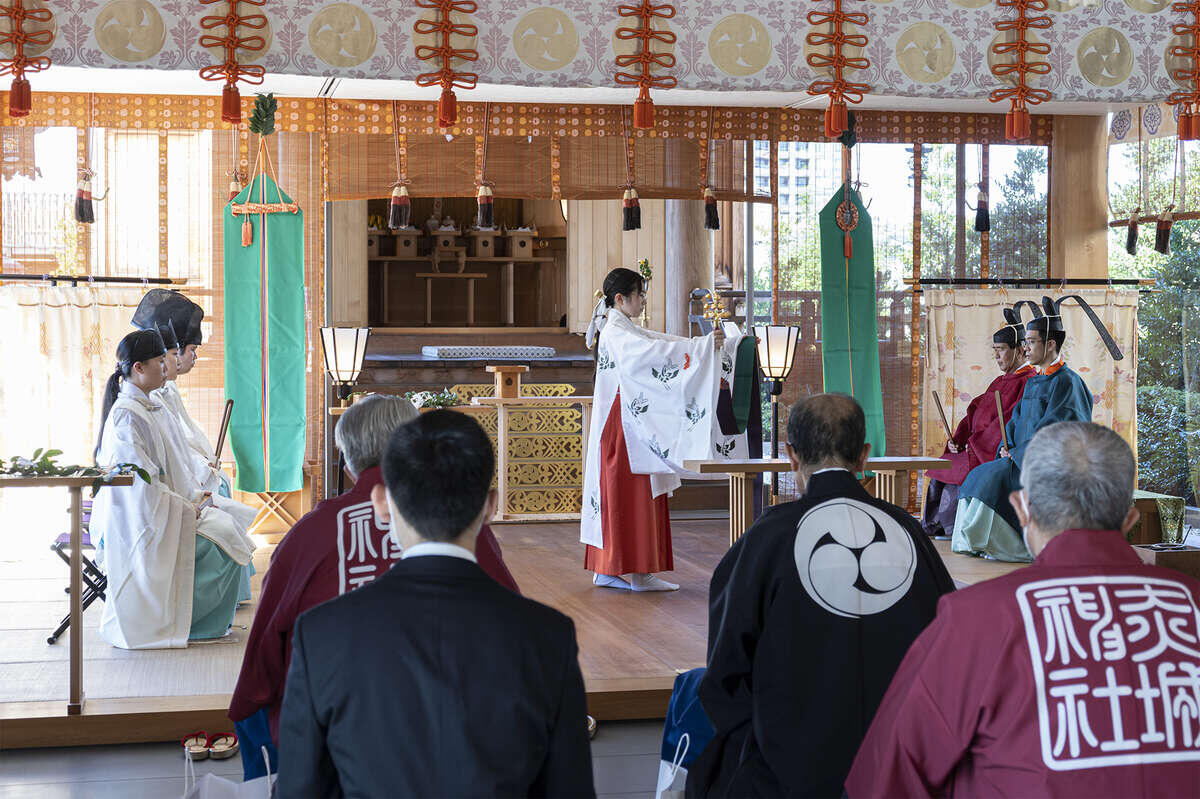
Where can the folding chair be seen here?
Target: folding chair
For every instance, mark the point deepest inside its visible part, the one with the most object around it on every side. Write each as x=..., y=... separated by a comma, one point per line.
x=94, y=580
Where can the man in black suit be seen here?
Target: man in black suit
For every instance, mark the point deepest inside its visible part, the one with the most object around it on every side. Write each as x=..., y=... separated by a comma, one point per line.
x=434, y=680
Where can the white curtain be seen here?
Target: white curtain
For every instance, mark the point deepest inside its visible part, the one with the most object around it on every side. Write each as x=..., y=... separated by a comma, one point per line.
x=58, y=347
x=958, y=355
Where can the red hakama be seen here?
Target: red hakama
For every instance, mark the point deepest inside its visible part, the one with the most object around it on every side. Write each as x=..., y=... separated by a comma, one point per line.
x=637, y=527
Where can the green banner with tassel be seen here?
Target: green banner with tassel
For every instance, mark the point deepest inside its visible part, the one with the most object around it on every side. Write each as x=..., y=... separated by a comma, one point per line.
x=849, y=318
x=265, y=331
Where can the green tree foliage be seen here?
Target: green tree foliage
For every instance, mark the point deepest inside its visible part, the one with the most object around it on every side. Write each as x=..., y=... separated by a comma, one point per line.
x=1018, y=236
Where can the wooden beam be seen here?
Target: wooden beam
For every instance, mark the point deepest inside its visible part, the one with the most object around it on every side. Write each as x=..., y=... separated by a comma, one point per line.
x=1078, y=213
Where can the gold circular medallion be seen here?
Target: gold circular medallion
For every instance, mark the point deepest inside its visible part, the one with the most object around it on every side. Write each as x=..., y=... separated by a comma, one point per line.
x=1174, y=63
x=245, y=56
x=925, y=52
x=130, y=30
x=457, y=40
x=546, y=39
x=847, y=215
x=342, y=35
x=1068, y=5
x=740, y=45
x=827, y=49
x=1148, y=6
x=630, y=46
x=1105, y=57
x=30, y=26
x=971, y=3
x=993, y=60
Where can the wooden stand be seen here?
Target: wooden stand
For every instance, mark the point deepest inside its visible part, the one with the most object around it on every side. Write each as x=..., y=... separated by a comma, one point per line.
x=75, y=485
x=1183, y=559
x=508, y=380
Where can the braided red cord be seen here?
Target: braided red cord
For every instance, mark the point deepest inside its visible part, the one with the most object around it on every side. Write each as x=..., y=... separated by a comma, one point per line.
x=840, y=90
x=447, y=77
x=230, y=70
x=1017, y=124
x=19, y=97
x=645, y=59
x=1189, y=115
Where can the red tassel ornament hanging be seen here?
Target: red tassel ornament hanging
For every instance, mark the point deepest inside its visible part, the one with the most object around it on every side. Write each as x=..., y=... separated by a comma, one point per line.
x=444, y=27
x=20, y=96
x=1017, y=123
x=839, y=90
x=644, y=59
x=230, y=70
x=1189, y=99
x=485, y=216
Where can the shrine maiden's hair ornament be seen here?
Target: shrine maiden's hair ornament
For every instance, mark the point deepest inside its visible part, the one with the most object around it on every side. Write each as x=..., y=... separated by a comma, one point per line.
x=599, y=317
x=1051, y=321
x=1013, y=332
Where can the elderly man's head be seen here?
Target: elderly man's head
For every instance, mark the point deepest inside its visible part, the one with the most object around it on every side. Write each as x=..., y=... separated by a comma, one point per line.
x=826, y=431
x=1075, y=476
x=363, y=431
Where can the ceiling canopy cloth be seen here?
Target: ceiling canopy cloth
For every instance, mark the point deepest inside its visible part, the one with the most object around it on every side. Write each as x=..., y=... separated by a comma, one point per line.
x=265, y=337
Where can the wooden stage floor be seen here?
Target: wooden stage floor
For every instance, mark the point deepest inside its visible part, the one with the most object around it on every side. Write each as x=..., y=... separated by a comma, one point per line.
x=631, y=646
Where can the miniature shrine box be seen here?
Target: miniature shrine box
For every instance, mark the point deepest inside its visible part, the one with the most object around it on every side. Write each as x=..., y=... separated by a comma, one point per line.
x=520, y=243
x=484, y=243
x=443, y=239
x=406, y=242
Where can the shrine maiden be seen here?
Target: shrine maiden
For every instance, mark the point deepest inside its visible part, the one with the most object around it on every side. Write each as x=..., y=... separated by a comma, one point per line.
x=655, y=406
x=178, y=321
x=986, y=523
x=1077, y=676
x=166, y=583
x=977, y=437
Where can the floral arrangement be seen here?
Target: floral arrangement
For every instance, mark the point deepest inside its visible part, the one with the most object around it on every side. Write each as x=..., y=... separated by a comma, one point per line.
x=43, y=464
x=432, y=399
x=643, y=267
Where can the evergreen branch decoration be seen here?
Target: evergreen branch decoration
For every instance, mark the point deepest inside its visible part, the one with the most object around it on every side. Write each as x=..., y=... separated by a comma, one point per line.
x=262, y=121
x=43, y=464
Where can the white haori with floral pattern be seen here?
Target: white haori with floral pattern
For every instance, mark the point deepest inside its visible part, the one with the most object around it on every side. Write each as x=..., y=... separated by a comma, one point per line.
x=669, y=387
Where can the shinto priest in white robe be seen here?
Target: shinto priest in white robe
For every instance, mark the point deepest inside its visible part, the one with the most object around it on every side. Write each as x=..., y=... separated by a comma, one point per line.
x=147, y=532
x=669, y=387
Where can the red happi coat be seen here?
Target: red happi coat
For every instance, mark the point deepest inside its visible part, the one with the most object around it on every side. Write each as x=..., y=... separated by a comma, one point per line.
x=1078, y=675
x=336, y=547
x=978, y=434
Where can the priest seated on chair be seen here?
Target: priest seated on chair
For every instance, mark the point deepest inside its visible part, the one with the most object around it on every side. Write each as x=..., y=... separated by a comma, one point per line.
x=338, y=546
x=173, y=559
x=810, y=613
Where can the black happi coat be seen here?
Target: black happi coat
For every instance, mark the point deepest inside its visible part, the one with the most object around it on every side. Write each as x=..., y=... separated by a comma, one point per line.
x=810, y=614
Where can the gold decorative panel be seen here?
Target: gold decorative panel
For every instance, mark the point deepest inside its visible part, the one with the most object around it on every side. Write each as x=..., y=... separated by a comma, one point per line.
x=545, y=448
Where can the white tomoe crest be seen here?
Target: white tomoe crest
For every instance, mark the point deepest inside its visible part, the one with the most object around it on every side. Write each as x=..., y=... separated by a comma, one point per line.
x=853, y=559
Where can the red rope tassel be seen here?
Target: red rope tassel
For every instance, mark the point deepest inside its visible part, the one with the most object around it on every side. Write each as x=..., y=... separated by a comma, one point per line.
x=247, y=231
x=20, y=99
x=447, y=109
x=643, y=110
x=231, y=104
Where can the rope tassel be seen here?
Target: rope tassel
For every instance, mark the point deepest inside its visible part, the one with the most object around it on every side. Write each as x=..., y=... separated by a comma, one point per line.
x=400, y=208
x=1131, y=232
x=485, y=218
x=1162, y=231
x=247, y=231
x=84, y=211
x=983, y=219
x=712, y=220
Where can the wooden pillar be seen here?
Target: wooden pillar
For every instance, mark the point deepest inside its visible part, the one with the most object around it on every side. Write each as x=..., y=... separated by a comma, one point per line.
x=1078, y=212
x=688, y=264
x=348, y=267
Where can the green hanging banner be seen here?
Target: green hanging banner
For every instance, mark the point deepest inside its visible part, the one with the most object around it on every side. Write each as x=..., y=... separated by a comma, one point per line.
x=849, y=319
x=265, y=336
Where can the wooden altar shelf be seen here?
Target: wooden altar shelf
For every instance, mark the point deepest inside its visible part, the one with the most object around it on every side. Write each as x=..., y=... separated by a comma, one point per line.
x=470, y=277
x=75, y=486
x=889, y=472
x=507, y=277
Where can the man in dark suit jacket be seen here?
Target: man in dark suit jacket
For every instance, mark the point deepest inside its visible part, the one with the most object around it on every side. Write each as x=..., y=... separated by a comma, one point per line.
x=434, y=680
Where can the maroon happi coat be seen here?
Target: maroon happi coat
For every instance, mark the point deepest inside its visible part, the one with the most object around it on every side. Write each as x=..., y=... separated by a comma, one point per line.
x=336, y=547
x=1076, y=676
x=978, y=434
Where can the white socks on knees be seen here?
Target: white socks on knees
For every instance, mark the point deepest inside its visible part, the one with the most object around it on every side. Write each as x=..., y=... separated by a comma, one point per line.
x=635, y=582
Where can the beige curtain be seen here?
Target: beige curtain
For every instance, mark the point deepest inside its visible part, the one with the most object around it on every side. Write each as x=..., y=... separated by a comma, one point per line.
x=958, y=356
x=58, y=348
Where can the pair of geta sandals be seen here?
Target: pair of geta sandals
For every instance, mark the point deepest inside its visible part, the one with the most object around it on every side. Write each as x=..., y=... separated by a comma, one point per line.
x=202, y=746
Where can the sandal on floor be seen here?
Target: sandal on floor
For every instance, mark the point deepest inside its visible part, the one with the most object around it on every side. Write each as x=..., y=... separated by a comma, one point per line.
x=222, y=746
x=196, y=745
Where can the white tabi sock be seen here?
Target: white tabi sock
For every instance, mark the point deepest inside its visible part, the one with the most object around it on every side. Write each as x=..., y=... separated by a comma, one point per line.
x=609, y=581
x=648, y=582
